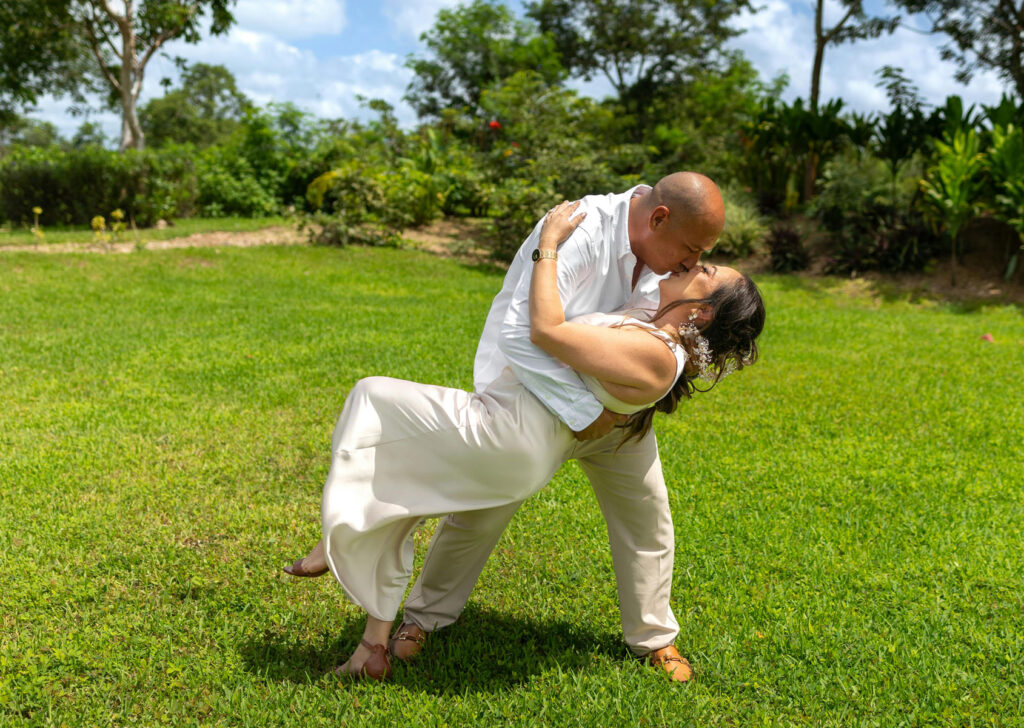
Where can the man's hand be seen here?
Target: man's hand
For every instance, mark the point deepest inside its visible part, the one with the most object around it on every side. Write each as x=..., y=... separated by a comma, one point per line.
x=601, y=426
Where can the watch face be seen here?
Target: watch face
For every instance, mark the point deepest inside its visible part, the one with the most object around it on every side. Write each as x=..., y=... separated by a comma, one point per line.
x=536, y=255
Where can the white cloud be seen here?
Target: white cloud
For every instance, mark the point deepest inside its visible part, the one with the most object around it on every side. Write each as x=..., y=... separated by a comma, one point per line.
x=287, y=19
x=412, y=17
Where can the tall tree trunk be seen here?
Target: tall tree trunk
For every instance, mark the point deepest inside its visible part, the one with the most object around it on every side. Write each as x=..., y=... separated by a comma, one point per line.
x=811, y=163
x=819, y=56
x=1017, y=51
x=131, y=84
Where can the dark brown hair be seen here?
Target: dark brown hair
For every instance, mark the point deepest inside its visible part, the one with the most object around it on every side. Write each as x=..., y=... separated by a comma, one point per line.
x=737, y=321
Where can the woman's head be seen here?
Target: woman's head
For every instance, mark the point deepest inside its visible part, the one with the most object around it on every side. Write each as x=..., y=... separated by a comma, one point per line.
x=727, y=310
x=724, y=305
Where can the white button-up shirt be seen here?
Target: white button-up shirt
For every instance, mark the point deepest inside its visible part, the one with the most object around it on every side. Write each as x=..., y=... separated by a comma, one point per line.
x=595, y=272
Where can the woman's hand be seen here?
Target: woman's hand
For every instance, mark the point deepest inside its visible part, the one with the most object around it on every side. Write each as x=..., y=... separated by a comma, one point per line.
x=558, y=225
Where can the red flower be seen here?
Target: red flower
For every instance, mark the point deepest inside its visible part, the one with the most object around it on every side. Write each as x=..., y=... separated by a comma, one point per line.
x=495, y=124
x=515, y=144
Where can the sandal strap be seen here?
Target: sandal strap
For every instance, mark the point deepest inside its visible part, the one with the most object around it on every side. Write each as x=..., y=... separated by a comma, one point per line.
x=373, y=648
x=403, y=636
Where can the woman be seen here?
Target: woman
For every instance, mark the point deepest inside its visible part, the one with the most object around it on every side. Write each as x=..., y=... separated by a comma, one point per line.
x=404, y=451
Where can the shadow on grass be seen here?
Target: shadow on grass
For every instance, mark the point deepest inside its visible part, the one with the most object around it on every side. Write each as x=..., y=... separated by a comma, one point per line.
x=834, y=287
x=483, y=652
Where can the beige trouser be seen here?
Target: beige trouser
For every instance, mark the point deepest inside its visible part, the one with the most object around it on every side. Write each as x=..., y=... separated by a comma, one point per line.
x=630, y=489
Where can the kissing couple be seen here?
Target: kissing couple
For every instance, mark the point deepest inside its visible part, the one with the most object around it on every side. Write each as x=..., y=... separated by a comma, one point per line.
x=605, y=316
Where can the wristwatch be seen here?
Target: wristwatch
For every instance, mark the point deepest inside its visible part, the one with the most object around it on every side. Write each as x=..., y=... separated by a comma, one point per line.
x=543, y=254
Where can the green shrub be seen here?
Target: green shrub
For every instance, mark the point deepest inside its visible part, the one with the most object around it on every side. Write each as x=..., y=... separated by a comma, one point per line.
x=520, y=204
x=882, y=237
x=228, y=185
x=72, y=186
x=1005, y=164
x=952, y=188
x=786, y=246
x=745, y=228
x=872, y=218
x=352, y=206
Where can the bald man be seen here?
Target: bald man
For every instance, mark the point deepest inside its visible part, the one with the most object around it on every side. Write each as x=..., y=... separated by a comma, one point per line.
x=613, y=261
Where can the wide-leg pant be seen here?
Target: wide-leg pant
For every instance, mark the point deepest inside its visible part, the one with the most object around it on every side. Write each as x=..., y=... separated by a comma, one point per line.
x=404, y=451
x=630, y=490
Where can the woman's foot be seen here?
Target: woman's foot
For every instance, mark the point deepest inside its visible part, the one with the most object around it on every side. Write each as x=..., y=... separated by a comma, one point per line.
x=300, y=568
x=407, y=641
x=314, y=564
x=368, y=661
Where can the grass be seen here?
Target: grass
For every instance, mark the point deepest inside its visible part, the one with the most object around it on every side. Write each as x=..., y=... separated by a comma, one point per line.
x=848, y=512
x=16, y=236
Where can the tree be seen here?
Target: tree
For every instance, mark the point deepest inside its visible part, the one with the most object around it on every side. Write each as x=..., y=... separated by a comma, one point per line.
x=25, y=132
x=472, y=46
x=120, y=39
x=38, y=54
x=143, y=28
x=205, y=109
x=903, y=131
x=983, y=34
x=640, y=46
x=854, y=25
x=89, y=134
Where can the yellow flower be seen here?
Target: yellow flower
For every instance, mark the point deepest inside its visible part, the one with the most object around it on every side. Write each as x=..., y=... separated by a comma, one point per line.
x=117, y=214
x=98, y=223
x=37, y=210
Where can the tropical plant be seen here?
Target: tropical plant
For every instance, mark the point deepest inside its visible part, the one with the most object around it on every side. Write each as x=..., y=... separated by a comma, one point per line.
x=786, y=245
x=952, y=186
x=1005, y=163
x=745, y=227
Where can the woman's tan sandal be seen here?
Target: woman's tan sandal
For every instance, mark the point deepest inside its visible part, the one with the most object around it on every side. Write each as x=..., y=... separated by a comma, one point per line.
x=297, y=570
x=677, y=667
x=407, y=642
x=376, y=667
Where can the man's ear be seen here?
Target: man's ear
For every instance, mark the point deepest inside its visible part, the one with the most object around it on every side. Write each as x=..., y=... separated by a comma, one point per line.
x=659, y=217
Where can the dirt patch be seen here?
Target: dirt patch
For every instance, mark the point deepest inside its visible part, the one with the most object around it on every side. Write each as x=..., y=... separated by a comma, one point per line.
x=277, y=235
x=460, y=238
x=979, y=273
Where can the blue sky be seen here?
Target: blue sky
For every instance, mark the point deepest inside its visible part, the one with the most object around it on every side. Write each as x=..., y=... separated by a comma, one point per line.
x=321, y=54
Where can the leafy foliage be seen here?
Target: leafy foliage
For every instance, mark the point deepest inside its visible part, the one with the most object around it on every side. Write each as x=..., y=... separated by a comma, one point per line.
x=983, y=34
x=787, y=249
x=641, y=46
x=39, y=54
x=73, y=186
x=745, y=228
x=471, y=47
x=1005, y=163
x=952, y=187
x=205, y=110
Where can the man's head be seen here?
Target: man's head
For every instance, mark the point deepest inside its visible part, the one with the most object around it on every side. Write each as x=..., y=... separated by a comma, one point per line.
x=678, y=220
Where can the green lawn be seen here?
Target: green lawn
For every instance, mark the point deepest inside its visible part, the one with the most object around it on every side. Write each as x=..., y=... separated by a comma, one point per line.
x=15, y=235
x=849, y=512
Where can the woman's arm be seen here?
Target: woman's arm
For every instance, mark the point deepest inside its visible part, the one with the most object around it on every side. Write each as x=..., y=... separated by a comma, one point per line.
x=632, y=361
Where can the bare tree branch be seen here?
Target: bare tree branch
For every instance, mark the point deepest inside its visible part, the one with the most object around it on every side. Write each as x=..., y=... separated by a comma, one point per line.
x=838, y=26
x=94, y=45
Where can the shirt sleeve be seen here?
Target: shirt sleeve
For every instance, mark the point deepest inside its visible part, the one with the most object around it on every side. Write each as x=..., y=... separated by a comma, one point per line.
x=552, y=382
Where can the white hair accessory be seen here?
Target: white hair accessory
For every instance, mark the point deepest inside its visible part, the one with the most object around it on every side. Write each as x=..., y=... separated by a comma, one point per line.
x=700, y=349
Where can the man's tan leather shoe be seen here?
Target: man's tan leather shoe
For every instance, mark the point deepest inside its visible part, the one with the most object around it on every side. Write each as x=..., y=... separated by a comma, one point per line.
x=407, y=642
x=676, y=666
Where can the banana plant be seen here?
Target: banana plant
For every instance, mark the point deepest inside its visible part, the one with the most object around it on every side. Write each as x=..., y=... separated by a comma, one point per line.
x=952, y=186
x=1005, y=163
